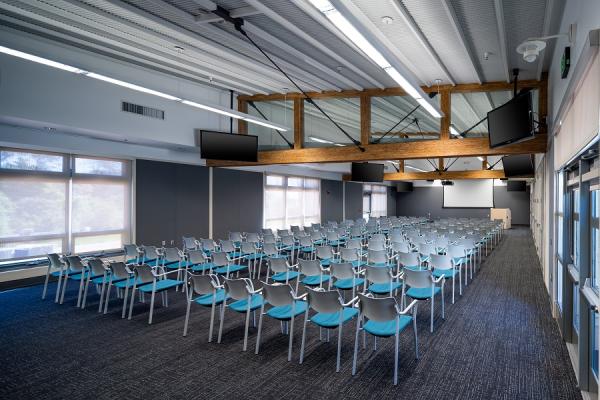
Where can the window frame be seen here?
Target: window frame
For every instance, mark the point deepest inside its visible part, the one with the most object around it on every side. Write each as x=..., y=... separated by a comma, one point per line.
x=285, y=188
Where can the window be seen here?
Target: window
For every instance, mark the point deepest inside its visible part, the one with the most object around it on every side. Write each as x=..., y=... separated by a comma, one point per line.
x=595, y=237
x=575, y=227
x=595, y=318
x=45, y=208
x=291, y=200
x=560, y=200
x=576, y=308
x=374, y=201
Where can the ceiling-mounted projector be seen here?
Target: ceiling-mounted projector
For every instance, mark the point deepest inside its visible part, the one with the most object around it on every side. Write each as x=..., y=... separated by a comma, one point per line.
x=447, y=183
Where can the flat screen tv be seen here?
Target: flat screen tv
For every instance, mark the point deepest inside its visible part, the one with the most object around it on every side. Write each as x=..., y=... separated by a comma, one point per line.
x=512, y=121
x=228, y=146
x=518, y=165
x=516, y=186
x=366, y=172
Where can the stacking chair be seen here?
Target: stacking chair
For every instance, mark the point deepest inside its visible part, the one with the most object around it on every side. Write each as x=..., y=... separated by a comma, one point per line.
x=351, y=256
x=459, y=258
x=345, y=276
x=317, y=238
x=443, y=266
x=151, y=281
x=313, y=273
x=307, y=247
x=381, y=281
x=76, y=271
x=198, y=262
x=172, y=259
x=425, y=249
x=122, y=278
x=190, y=243
x=249, y=252
x=331, y=313
x=266, y=231
x=247, y=300
x=208, y=246
x=99, y=275
x=384, y=318
x=228, y=246
x=409, y=260
x=209, y=293
x=149, y=255
x=471, y=252
x=376, y=245
x=132, y=254
x=55, y=263
x=334, y=239
x=326, y=255
x=422, y=286
x=222, y=265
x=236, y=238
x=282, y=271
x=379, y=258
x=285, y=306
x=269, y=238
x=288, y=244
x=253, y=237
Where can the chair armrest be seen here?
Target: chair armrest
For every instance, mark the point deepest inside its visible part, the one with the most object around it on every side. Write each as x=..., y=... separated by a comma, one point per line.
x=256, y=291
x=351, y=302
x=301, y=297
x=408, y=308
x=165, y=273
x=441, y=278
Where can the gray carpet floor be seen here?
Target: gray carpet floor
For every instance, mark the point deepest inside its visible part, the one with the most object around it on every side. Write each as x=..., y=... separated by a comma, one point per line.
x=498, y=341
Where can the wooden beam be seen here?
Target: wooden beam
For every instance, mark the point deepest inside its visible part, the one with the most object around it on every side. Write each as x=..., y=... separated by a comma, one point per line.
x=401, y=166
x=397, y=91
x=474, y=174
x=469, y=147
x=447, y=111
x=484, y=163
x=242, y=106
x=441, y=163
x=365, y=119
x=298, y=123
x=406, y=134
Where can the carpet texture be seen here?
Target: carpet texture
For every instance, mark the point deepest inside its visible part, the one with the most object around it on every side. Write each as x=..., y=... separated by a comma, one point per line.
x=498, y=342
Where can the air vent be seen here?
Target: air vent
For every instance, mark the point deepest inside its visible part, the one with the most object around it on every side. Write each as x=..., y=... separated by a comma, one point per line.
x=142, y=110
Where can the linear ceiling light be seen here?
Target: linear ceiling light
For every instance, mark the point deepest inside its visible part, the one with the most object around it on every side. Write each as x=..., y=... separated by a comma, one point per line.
x=455, y=132
x=480, y=158
x=414, y=168
x=319, y=140
x=211, y=108
x=362, y=43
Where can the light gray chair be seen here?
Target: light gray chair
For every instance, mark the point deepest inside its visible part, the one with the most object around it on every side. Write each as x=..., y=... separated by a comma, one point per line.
x=331, y=313
x=442, y=266
x=56, y=268
x=423, y=286
x=207, y=291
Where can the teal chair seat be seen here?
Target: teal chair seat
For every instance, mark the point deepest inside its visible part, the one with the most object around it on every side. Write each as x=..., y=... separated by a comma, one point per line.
x=414, y=267
x=162, y=284
x=384, y=288
x=448, y=273
x=387, y=328
x=66, y=272
x=202, y=267
x=207, y=299
x=174, y=265
x=315, y=280
x=131, y=261
x=358, y=263
x=283, y=276
x=382, y=265
x=422, y=293
x=327, y=261
x=349, y=283
x=332, y=320
x=253, y=256
x=231, y=269
x=284, y=313
x=99, y=280
x=459, y=260
x=256, y=301
x=307, y=249
x=129, y=283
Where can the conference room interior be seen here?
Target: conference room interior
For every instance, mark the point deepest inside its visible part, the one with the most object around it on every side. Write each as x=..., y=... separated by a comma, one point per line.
x=240, y=199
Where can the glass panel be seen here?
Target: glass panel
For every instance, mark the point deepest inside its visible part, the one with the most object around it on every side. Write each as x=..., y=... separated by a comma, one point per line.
x=274, y=208
x=99, y=206
x=280, y=112
x=575, y=234
x=31, y=161
x=85, y=244
x=99, y=167
x=30, y=248
x=32, y=207
x=559, y=284
x=470, y=108
x=576, y=308
x=274, y=180
x=595, y=238
x=321, y=132
x=397, y=119
x=559, y=235
x=594, y=339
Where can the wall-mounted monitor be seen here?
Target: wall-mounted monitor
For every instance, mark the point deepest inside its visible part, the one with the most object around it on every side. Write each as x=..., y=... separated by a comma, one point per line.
x=404, y=187
x=516, y=186
x=367, y=172
x=512, y=121
x=518, y=165
x=228, y=146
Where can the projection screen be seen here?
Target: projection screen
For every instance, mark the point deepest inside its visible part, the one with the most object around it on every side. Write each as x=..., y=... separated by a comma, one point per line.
x=474, y=193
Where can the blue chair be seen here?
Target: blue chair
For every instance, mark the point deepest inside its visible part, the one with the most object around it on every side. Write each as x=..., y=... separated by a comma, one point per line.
x=207, y=291
x=99, y=276
x=384, y=318
x=443, y=266
x=197, y=261
x=326, y=255
x=149, y=255
x=345, y=276
x=422, y=286
x=122, y=277
x=381, y=281
x=282, y=271
x=76, y=271
x=247, y=300
x=151, y=281
x=222, y=265
x=313, y=273
x=409, y=260
x=285, y=307
x=55, y=263
x=132, y=254
x=331, y=313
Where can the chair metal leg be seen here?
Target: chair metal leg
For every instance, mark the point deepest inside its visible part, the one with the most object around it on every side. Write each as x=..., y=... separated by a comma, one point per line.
x=60, y=278
x=46, y=284
x=151, y=307
x=223, y=306
x=132, y=299
x=260, y=320
x=396, y=358
x=212, y=319
x=64, y=289
x=416, y=338
x=355, y=346
x=187, y=317
x=339, y=348
x=83, y=279
x=432, y=307
x=303, y=340
x=106, y=297
x=443, y=304
x=291, y=333
x=247, y=326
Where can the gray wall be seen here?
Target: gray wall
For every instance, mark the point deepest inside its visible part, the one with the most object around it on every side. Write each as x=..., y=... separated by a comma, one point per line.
x=423, y=200
x=354, y=193
x=331, y=200
x=171, y=201
x=391, y=201
x=237, y=201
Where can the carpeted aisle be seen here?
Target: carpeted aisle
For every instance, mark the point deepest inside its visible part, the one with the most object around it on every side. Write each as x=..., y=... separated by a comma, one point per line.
x=498, y=342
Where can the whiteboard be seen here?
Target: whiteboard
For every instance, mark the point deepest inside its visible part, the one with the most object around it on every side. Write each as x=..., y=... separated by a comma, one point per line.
x=473, y=193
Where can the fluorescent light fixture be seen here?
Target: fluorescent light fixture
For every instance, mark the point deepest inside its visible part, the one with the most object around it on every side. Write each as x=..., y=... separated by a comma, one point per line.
x=456, y=133
x=414, y=168
x=394, y=162
x=480, y=158
x=426, y=105
x=366, y=47
x=319, y=140
x=339, y=145
x=41, y=60
x=131, y=86
x=69, y=68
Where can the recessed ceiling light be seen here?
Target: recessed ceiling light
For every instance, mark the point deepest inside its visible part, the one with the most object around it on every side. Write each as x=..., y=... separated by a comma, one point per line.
x=387, y=20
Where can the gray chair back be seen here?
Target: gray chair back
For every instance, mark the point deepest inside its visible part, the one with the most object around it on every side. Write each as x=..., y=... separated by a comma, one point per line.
x=75, y=263
x=278, y=295
x=324, y=252
x=227, y=246
x=378, y=309
x=378, y=274
x=248, y=248
x=144, y=273
x=377, y=257
x=97, y=266
x=235, y=236
x=131, y=251
x=119, y=270
x=349, y=254
x=203, y=284
x=324, y=301
x=310, y=267
x=418, y=279
x=408, y=259
x=196, y=257
x=171, y=254
x=54, y=261
x=189, y=243
x=375, y=244
x=238, y=289
x=252, y=237
x=220, y=259
x=440, y=261
x=278, y=265
x=342, y=270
